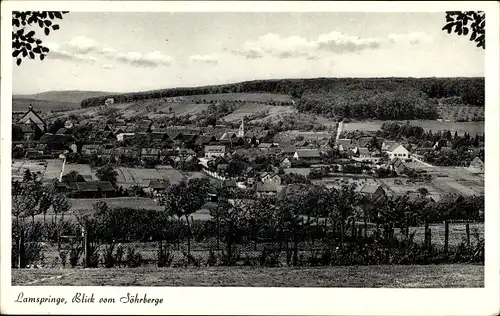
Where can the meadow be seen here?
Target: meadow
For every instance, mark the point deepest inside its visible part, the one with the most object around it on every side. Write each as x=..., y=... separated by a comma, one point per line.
x=383, y=276
x=461, y=128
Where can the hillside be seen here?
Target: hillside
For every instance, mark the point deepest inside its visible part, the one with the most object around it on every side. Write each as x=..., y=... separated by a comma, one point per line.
x=469, y=90
x=338, y=98
x=64, y=96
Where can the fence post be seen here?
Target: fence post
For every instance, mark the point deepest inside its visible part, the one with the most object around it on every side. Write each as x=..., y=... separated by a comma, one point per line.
x=446, y=235
x=467, y=231
x=353, y=228
x=426, y=234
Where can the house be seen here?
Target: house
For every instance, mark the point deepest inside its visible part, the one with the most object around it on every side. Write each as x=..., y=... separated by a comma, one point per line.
x=123, y=136
x=270, y=177
x=302, y=144
x=93, y=189
x=286, y=163
x=92, y=149
x=267, y=189
x=307, y=154
x=62, y=131
x=156, y=186
x=107, y=153
x=363, y=152
x=37, y=151
x=399, y=166
x=476, y=165
x=215, y=151
x=364, y=141
x=263, y=136
x=109, y=101
x=28, y=130
x=344, y=144
x=397, y=150
x=372, y=195
x=204, y=140
x=150, y=153
x=265, y=146
x=387, y=144
x=33, y=119
x=288, y=151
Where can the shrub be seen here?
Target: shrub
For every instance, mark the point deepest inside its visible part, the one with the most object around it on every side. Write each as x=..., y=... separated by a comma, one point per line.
x=63, y=255
x=165, y=258
x=269, y=258
x=212, y=258
x=74, y=256
x=133, y=259
x=109, y=259
x=119, y=255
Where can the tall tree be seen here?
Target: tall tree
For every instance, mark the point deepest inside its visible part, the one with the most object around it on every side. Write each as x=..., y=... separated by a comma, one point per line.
x=107, y=173
x=25, y=197
x=185, y=198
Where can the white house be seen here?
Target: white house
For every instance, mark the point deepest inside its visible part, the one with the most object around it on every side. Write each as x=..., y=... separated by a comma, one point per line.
x=398, y=151
x=215, y=151
x=109, y=101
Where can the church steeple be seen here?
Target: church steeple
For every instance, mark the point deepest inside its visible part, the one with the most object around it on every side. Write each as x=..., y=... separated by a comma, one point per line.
x=241, y=130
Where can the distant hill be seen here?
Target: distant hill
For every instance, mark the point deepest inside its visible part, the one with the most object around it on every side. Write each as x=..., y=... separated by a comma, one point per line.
x=64, y=96
x=22, y=105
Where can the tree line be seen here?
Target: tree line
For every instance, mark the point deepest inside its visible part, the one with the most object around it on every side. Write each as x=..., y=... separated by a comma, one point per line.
x=470, y=90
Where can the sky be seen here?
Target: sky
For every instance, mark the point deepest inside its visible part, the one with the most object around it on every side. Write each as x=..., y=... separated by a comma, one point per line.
x=128, y=52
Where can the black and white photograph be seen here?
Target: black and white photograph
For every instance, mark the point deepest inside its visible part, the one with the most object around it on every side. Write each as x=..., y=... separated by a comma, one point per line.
x=246, y=150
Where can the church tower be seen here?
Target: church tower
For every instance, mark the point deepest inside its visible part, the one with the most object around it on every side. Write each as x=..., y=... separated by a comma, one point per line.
x=241, y=130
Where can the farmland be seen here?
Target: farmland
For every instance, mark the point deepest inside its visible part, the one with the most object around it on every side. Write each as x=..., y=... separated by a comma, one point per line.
x=394, y=276
x=248, y=110
x=461, y=128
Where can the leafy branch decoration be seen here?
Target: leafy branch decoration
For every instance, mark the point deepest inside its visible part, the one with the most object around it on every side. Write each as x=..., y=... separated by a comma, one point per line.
x=24, y=42
x=465, y=23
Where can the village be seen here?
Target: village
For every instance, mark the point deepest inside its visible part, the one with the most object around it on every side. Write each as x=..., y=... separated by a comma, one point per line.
x=148, y=157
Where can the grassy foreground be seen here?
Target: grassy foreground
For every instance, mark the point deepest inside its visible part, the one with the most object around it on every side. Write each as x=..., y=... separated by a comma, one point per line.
x=396, y=276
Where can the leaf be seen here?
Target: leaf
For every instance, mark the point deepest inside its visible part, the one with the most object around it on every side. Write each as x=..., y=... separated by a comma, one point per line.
x=466, y=30
x=47, y=22
x=40, y=23
x=45, y=49
x=51, y=15
x=30, y=34
x=42, y=56
x=25, y=52
x=32, y=55
x=18, y=61
x=55, y=27
x=16, y=53
x=47, y=31
x=39, y=41
x=20, y=32
x=58, y=15
x=28, y=46
x=37, y=50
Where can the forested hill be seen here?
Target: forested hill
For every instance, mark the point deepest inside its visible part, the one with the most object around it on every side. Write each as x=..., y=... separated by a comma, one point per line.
x=383, y=98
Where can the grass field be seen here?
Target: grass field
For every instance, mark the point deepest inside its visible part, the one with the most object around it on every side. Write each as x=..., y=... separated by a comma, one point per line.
x=261, y=97
x=461, y=128
x=250, y=109
x=412, y=276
